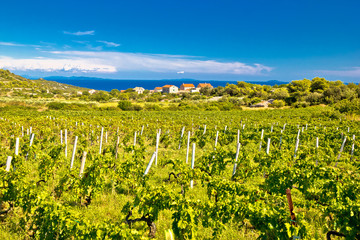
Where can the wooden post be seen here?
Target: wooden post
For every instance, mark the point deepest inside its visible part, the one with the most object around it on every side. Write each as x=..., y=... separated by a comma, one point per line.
x=192, y=163
x=83, y=159
x=73, y=153
x=291, y=207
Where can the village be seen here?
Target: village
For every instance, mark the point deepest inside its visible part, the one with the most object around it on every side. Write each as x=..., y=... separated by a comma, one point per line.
x=185, y=87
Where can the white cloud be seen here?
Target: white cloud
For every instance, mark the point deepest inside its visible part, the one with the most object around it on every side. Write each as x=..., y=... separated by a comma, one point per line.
x=55, y=65
x=110, y=62
x=181, y=72
x=110, y=44
x=79, y=33
x=11, y=44
x=352, y=72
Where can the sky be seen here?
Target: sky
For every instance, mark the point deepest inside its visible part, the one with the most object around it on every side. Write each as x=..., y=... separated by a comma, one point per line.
x=239, y=40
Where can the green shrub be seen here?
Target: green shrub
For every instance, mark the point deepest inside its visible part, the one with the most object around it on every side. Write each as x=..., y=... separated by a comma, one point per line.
x=278, y=104
x=347, y=106
x=125, y=105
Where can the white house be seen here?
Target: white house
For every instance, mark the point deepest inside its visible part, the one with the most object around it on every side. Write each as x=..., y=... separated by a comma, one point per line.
x=158, y=89
x=170, y=89
x=139, y=90
x=186, y=86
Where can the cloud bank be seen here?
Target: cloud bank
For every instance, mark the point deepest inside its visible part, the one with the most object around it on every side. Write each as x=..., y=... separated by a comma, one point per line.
x=112, y=62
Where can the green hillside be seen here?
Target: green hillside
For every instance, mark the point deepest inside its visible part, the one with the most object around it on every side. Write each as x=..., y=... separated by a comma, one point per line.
x=12, y=85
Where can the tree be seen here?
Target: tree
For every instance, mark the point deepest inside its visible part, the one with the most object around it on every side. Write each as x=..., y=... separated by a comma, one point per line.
x=280, y=93
x=115, y=93
x=300, y=86
x=232, y=89
x=319, y=85
x=205, y=91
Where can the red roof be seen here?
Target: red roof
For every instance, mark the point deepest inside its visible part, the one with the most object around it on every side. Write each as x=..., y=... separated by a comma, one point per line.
x=188, y=85
x=201, y=85
x=167, y=86
x=158, y=88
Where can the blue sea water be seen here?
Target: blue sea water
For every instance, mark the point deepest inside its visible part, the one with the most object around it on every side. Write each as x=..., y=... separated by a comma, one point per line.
x=109, y=84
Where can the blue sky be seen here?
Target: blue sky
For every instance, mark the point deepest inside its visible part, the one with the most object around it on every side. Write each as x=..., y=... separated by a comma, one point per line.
x=210, y=40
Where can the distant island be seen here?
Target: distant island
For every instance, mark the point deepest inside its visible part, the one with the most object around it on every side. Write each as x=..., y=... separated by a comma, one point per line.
x=122, y=84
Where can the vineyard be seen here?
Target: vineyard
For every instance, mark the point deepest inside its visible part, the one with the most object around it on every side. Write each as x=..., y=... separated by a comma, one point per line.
x=269, y=174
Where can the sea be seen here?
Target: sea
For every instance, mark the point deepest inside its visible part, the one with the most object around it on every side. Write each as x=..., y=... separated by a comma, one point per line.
x=109, y=84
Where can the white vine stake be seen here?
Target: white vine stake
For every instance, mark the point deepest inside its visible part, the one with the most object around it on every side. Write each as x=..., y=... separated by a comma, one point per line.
x=83, y=159
x=73, y=152
x=157, y=147
x=296, y=147
x=17, y=146
x=187, y=147
x=342, y=148
x=268, y=146
x=236, y=158
x=192, y=163
x=101, y=139
x=204, y=129
x=8, y=163
x=181, y=136
x=117, y=147
x=135, y=138
x=150, y=163
x=216, y=139
x=261, y=138
x=317, y=142
x=142, y=130
x=32, y=139
x=65, y=137
x=353, y=147
x=298, y=135
x=238, y=136
x=61, y=137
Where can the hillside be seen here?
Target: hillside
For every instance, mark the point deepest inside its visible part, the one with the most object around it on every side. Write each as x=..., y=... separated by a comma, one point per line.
x=12, y=85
